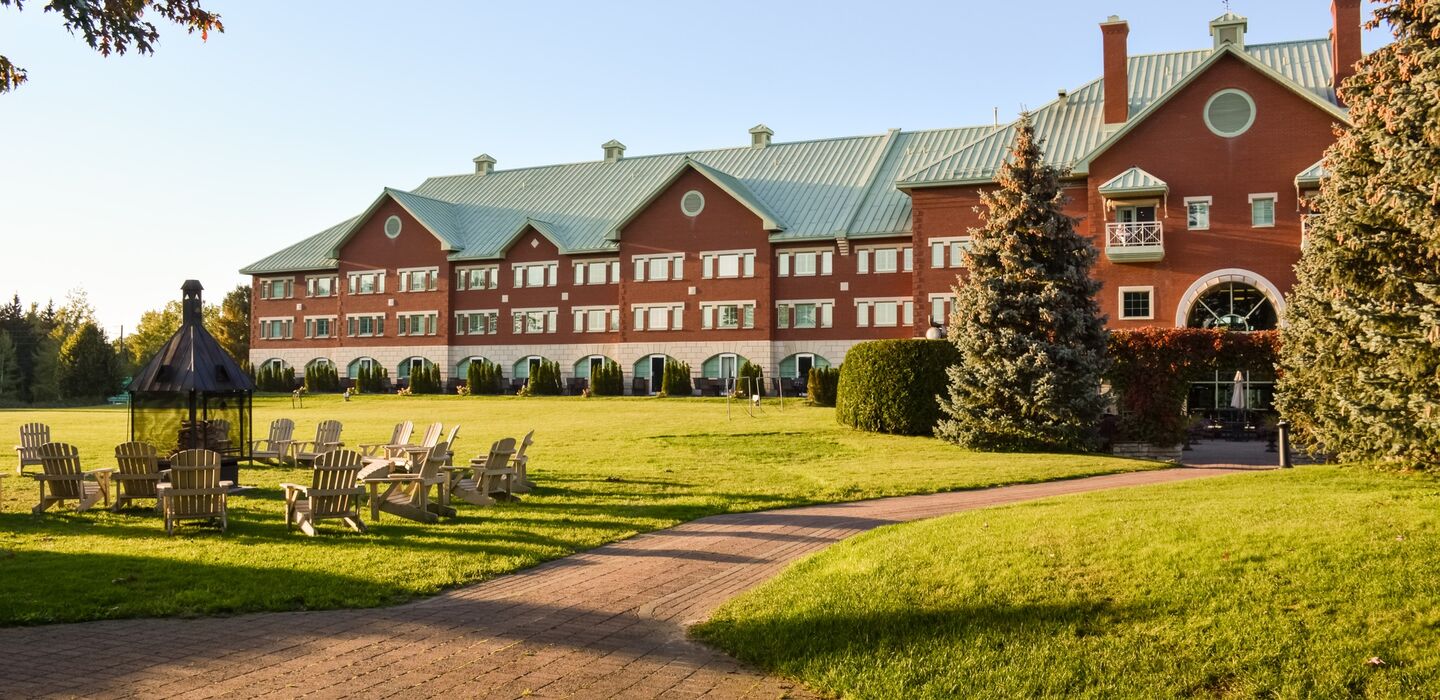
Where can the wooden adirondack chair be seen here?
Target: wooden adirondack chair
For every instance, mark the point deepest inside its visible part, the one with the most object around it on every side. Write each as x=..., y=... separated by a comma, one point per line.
x=431, y=438
x=521, y=464
x=138, y=476
x=217, y=434
x=327, y=437
x=407, y=493
x=277, y=446
x=32, y=436
x=332, y=493
x=489, y=477
x=399, y=437
x=195, y=491
x=61, y=479
x=450, y=443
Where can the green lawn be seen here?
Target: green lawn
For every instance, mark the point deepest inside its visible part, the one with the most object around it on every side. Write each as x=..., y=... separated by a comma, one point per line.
x=607, y=469
x=1277, y=584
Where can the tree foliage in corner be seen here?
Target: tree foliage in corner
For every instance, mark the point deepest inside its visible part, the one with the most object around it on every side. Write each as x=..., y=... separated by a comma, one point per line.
x=116, y=27
x=1361, y=354
x=1027, y=325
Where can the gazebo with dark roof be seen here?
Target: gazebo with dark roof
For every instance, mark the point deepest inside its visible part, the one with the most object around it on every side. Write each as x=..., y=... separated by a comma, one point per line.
x=192, y=394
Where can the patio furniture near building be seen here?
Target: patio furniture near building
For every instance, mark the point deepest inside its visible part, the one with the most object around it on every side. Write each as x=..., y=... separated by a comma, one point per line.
x=195, y=491
x=138, y=475
x=61, y=479
x=521, y=464
x=407, y=489
x=333, y=493
x=277, y=446
x=399, y=437
x=32, y=436
x=327, y=437
x=486, y=480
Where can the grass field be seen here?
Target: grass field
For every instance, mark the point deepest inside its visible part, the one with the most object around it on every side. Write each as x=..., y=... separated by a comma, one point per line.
x=607, y=469
x=1278, y=584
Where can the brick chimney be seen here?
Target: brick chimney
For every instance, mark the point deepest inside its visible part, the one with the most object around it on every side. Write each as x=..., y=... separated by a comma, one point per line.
x=1344, y=39
x=1117, y=70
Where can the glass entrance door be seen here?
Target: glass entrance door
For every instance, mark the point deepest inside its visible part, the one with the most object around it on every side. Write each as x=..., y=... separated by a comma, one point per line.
x=657, y=373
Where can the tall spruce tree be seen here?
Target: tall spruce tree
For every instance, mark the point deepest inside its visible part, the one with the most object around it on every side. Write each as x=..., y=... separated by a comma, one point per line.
x=1030, y=335
x=1361, y=353
x=9, y=368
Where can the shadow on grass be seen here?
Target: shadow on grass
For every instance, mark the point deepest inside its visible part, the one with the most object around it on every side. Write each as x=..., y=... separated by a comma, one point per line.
x=786, y=642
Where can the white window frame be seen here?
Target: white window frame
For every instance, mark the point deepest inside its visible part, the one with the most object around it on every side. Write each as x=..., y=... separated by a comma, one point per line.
x=744, y=263
x=549, y=275
x=1274, y=198
x=674, y=271
x=462, y=321
x=352, y=282
x=287, y=327
x=432, y=278
x=946, y=302
x=744, y=314
x=824, y=313
x=1120, y=302
x=581, y=317
x=310, y=281
x=865, y=312
x=374, y=327
x=1209, y=204
x=267, y=287
x=431, y=322
x=311, y=326
x=948, y=247
x=640, y=315
x=549, y=315
x=867, y=259
x=490, y=277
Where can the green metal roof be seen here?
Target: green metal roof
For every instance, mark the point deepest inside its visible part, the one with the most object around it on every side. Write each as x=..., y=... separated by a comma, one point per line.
x=1134, y=181
x=1313, y=174
x=1073, y=129
x=819, y=189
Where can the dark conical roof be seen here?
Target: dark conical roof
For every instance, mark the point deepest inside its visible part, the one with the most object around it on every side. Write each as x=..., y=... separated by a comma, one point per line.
x=192, y=360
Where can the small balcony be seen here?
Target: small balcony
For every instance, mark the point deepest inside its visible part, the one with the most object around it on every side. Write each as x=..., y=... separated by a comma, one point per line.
x=1136, y=242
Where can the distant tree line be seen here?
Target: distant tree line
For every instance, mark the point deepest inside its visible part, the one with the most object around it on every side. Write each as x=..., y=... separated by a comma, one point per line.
x=63, y=355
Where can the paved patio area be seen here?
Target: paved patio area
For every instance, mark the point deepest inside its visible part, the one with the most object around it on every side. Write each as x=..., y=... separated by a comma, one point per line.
x=605, y=623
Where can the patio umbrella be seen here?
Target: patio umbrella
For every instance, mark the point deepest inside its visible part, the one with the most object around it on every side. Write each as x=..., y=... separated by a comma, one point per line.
x=1237, y=394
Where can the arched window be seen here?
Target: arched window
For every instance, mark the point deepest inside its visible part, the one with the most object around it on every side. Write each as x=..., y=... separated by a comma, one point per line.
x=273, y=363
x=525, y=365
x=462, y=369
x=353, y=370
x=1234, y=306
x=410, y=364
x=798, y=366
x=319, y=362
x=586, y=366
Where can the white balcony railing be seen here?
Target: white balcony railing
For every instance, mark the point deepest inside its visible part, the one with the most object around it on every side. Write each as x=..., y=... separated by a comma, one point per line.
x=1142, y=241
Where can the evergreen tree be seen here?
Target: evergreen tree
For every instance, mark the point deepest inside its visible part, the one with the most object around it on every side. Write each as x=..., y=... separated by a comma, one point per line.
x=1028, y=328
x=86, y=367
x=1361, y=354
x=45, y=368
x=9, y=368
x=230, y=323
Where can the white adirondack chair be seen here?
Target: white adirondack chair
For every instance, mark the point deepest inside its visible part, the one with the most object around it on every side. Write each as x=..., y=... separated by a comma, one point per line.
x=277, y=446
x=195, y=491
x=327, y=437
x=521, y=465
x=138, y=476
x=399, y=437
x=488, y=479
x=407, y=492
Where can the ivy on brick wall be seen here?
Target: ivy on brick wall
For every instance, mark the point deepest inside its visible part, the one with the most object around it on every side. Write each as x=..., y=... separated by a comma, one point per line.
x=1151, y=370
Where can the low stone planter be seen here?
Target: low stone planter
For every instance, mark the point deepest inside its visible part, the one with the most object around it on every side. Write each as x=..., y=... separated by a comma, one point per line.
x=1145, y=450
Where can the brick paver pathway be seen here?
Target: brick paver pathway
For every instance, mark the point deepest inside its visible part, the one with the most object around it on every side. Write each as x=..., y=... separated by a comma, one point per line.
x=609, y=622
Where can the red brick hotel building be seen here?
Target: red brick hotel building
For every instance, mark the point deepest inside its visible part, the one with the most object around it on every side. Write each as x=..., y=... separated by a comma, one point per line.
x=1189, y=170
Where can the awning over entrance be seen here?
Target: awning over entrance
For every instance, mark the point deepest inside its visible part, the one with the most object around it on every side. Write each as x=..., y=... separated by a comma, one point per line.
x=1134, y=183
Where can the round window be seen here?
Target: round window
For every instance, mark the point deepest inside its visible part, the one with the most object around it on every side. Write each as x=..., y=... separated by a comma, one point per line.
x=692, y=203
x=1229, y=113
x=392, y=227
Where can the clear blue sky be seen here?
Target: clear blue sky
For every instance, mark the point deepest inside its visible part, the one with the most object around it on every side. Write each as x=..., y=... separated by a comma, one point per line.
x=127, y=175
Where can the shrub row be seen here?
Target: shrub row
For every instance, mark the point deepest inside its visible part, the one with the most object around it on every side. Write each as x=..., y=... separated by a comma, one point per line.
x=484, y=377
x=322, y=376
x=607, y=379
x=822, y=385
x=676, y=379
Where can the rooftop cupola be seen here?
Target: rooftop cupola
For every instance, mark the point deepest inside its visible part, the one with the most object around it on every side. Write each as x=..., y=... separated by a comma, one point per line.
x=1229, y=28
x=614, y=150
x=760, y=136
x=484, y=164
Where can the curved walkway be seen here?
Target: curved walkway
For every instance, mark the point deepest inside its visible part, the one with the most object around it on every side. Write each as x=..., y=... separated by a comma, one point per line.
x=609, y=622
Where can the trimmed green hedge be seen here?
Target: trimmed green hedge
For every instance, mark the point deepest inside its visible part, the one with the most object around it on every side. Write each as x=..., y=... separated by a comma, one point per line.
x=425, y=379
x=822, y=385
x=890, y=386
x=676, y=380
x=607, y=379
x=544, y=380
x=483, y=377
x=322, y=376
x=749, y=371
